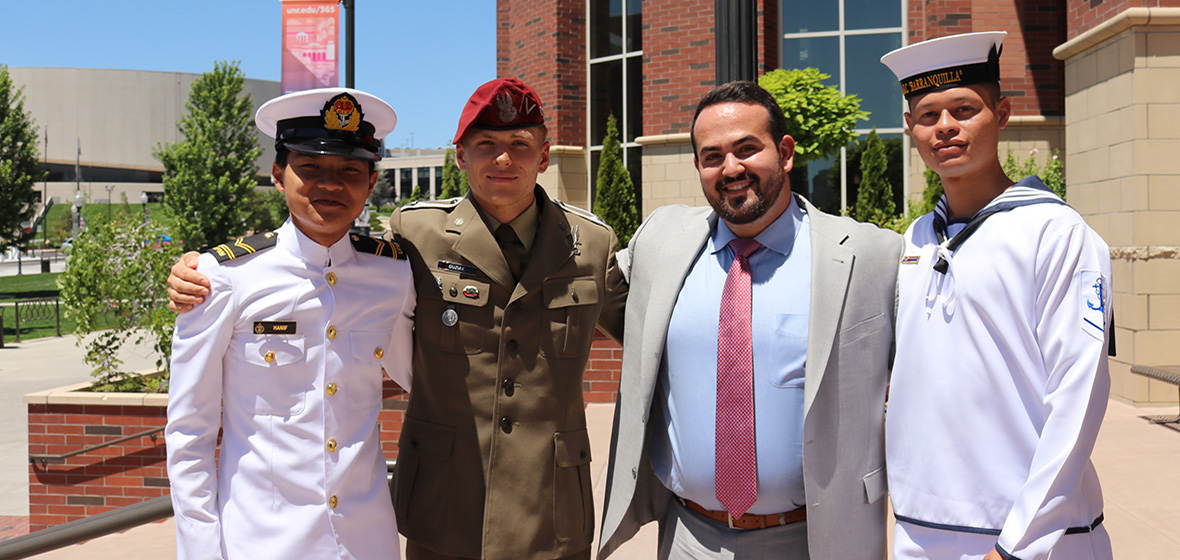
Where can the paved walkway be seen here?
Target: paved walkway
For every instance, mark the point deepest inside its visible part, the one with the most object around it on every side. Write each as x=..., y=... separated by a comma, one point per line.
x=1136, y=461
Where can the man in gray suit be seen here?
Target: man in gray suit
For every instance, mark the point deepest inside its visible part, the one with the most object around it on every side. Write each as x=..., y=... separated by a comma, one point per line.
x=778, y=451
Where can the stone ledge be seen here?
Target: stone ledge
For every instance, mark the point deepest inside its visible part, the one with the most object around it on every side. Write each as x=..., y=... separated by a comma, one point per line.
x=566, y=150
x=77, y=394
x=1131, y=17
x=1144, y=253
x=678, y=138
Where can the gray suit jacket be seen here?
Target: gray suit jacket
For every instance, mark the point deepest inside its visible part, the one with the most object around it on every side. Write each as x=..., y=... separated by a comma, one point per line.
x=850, y=339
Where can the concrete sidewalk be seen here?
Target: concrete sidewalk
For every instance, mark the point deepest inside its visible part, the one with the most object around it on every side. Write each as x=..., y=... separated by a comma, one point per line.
x=1136, y=463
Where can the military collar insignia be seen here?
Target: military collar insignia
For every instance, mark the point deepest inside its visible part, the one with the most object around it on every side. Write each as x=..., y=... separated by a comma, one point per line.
x=342, y=113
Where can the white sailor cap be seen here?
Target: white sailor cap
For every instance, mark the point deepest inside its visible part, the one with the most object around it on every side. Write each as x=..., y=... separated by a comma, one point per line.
x=947, y=62
x=328, y=121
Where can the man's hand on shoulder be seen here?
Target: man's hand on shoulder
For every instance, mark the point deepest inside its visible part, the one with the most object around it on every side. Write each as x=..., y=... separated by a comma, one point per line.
x=186, y=287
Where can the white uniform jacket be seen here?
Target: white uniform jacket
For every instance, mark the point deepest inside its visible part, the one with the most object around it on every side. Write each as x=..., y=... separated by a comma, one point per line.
x=286, y=355
x=1000, y=381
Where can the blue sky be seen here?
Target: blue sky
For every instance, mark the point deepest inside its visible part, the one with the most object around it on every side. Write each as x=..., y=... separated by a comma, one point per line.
x=424, y=58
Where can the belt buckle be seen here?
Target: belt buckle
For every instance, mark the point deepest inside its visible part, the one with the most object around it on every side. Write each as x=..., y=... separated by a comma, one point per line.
x=729, y=519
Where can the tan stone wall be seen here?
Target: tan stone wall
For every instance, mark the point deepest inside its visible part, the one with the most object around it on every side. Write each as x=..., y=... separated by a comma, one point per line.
x=566, y=177
x=1123, y=175
x=669, y=176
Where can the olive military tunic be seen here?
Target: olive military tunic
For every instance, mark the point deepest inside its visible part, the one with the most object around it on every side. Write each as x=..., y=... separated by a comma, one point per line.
x=496, y=421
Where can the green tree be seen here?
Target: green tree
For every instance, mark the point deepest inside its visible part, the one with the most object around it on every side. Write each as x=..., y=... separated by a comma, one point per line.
x=383, y=191
x=614, y=198
x=930, y=195
x=464, y=184
x=210, y=175
x=874, y=197
x=118, y=273
x=19, y=166
x=820, y=118
x=266, y=211
x=451, y=172
x=416, y=195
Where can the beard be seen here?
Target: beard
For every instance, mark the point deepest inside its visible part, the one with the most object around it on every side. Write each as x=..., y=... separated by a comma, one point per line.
x=756, y=201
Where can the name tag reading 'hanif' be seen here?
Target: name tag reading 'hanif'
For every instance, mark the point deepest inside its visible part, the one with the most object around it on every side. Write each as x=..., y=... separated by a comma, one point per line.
x=274, y=327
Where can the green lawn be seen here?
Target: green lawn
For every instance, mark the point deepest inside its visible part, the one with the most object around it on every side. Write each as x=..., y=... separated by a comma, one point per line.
x=30, y=286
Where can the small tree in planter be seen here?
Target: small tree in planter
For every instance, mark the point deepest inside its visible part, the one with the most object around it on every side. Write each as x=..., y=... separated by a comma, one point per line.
x=116, y=279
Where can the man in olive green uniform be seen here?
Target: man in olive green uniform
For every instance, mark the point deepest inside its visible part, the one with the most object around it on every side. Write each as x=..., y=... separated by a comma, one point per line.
x=494, y=456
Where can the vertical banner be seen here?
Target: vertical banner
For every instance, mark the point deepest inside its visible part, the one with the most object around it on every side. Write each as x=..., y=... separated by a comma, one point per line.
x=311, y=44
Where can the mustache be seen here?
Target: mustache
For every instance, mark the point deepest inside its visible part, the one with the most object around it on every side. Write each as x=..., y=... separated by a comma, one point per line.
x=743, y=177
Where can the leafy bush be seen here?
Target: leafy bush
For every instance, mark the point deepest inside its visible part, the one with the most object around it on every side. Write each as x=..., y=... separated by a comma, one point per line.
x=820, y=118
x=117, y=271
x=1052, y=173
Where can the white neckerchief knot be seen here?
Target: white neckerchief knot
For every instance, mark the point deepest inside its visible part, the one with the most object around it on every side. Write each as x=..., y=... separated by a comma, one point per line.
x=940, y=287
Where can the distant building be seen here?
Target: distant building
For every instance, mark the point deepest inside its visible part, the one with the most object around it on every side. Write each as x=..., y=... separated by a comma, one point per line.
x=405, y=168
x=110, y=121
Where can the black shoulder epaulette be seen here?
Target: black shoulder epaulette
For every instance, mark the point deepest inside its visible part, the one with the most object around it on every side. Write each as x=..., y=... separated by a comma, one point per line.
x=379, y=247
x=246, y=246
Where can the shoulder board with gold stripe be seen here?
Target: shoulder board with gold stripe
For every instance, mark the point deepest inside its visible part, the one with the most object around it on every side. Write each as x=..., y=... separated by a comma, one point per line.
x=379, y=247
x=245, y=246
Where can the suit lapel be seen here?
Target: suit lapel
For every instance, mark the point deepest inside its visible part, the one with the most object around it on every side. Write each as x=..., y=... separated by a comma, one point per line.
x=831, y=266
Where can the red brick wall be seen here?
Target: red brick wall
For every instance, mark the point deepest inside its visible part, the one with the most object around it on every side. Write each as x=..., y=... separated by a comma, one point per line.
x=769, y=37
x=1029, y=75
x=98, y=481
x=678, y=62
x=134, y=471
x=1084, y=15
x=551, y=58
x=601, y=381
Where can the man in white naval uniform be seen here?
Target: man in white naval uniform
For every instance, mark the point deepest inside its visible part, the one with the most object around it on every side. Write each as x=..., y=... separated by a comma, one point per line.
x=287, y=355
x=1000, y=380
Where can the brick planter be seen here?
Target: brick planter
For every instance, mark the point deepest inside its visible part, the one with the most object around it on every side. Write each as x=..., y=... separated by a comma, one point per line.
x=70, y=418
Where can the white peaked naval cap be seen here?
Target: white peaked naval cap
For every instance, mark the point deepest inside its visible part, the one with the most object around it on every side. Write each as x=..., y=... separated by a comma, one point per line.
x=947, y=62
x=328, y=121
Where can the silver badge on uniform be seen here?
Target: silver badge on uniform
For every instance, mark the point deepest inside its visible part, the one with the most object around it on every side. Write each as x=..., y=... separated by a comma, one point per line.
x=577, y=245
x=450, y=317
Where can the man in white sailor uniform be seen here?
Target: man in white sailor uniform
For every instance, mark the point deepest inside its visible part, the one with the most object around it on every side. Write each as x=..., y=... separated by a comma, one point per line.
x=1004, y=313
x=286, y=355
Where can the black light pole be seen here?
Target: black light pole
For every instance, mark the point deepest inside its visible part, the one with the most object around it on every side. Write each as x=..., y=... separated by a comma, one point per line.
x=109, y=189
x=737, y=40
x=350, y=43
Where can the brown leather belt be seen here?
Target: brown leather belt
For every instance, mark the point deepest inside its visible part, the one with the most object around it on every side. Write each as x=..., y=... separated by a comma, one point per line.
x=749, y=520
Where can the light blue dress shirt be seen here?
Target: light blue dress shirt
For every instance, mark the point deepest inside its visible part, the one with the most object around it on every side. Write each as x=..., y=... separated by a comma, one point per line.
x=683, y=455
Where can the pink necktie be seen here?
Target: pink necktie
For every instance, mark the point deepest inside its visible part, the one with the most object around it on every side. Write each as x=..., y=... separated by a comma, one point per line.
x=737, y=466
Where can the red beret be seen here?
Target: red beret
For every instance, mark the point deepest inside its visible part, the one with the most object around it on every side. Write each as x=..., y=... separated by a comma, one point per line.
x=501, y=104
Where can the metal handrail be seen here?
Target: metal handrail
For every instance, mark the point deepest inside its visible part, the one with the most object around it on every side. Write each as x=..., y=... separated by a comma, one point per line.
x=45, y=458
x=92, y=527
